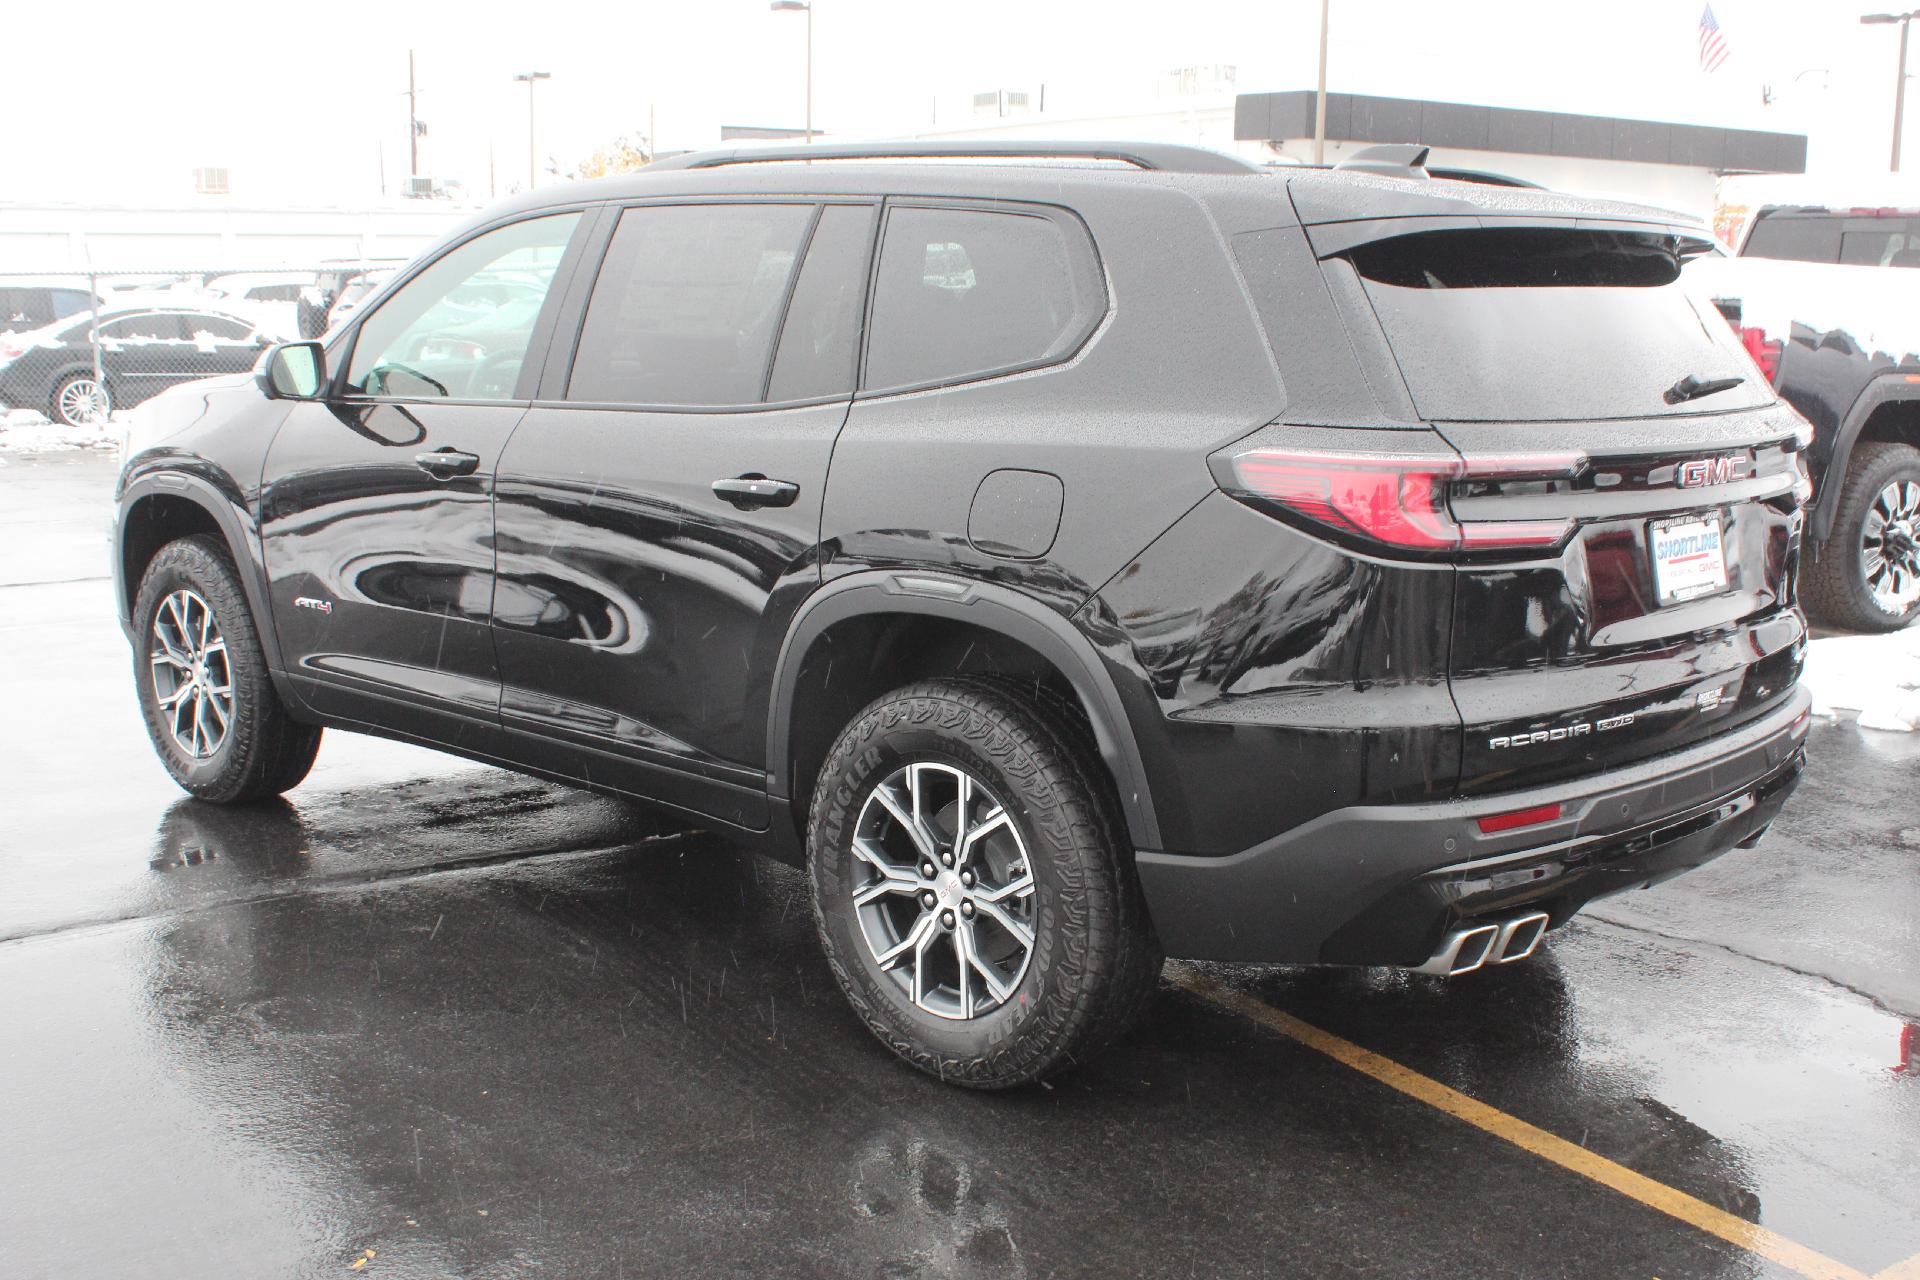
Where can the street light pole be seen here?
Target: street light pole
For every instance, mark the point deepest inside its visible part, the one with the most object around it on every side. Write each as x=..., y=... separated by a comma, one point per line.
x=802, y=6
x=1320, y=94
x=531, y=77
x=413, y=122
x=1900, y=81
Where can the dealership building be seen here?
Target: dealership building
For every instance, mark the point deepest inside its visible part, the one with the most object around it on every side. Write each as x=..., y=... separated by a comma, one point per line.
x=1670, y=164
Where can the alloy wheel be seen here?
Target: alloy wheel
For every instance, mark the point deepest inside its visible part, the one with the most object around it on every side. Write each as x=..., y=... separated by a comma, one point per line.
x=947, y=908
x=192, y=678
x=1890, y=547
x=84, y=403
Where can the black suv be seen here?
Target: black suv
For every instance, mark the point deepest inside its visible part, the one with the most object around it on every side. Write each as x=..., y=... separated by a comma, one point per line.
x=1072, y=562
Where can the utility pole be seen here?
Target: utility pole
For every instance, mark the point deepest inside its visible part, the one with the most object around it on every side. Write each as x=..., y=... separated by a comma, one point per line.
x=1320, y=94
x=531, y=78
x=413, y=123
x=1900, y=77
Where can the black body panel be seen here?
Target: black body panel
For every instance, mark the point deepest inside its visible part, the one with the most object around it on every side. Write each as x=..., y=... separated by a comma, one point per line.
x=1293, y=718
x=1273, y=678
x=381, y=573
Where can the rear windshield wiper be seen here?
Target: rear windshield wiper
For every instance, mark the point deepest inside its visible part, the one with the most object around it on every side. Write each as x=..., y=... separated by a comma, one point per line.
x=1693, y=386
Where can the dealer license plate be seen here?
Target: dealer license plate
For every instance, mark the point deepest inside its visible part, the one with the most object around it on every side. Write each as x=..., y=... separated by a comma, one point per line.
x=1689, y=559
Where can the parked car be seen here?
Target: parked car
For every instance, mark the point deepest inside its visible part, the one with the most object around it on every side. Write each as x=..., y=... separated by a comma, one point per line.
x=272, y=299
x=143, y=351
x=1826, y=299
x=343, y=286
x=25, y=307
x=1065, y=564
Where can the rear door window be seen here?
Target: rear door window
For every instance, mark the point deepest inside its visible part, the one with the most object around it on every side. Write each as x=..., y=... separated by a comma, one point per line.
x=687, y=305
x=160, y=326
x=820, y=340
x=1532, y=324
x=962, y=293
x=209, y=329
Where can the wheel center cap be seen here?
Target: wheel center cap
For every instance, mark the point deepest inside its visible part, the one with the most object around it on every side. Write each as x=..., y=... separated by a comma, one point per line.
x=948, y=890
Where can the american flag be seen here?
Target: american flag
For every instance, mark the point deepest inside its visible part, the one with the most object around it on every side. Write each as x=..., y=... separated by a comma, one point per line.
x=1713, y=47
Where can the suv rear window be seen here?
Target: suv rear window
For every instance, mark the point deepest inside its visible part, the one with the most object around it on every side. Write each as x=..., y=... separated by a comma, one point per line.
x=1539, y=323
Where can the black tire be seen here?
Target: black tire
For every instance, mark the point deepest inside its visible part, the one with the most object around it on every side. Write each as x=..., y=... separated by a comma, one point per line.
x=1835, y=588
x=262, y=750
x=1094, y=957
x=56, y=408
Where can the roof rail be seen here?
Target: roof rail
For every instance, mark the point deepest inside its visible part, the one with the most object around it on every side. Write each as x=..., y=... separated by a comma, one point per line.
x=1394, y=159
x=1168, y=157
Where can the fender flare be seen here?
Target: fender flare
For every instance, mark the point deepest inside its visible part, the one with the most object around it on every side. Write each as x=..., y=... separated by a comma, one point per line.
x=1887, y=388
x=981, y=604
x=229, y=517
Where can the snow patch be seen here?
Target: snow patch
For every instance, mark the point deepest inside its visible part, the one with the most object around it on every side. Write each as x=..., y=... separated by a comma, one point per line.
x=23, y=431
x=1878, y=676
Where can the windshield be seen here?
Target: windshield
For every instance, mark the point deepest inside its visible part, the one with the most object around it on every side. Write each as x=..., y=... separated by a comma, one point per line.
x=1528, y=324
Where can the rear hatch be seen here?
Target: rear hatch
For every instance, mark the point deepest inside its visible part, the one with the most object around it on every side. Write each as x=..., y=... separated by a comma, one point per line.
x=1629, y=490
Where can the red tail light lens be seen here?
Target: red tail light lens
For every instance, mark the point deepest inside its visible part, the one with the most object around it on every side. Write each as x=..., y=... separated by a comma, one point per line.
x=1765, y=352
x=1399, y=501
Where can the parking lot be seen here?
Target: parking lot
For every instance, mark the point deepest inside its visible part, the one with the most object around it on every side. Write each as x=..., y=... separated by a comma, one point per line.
x=427, y=1018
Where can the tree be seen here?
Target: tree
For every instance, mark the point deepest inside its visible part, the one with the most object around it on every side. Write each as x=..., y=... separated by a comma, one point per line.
x=624, y=155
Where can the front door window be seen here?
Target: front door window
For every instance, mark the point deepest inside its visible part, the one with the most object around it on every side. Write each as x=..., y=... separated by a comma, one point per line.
x=459, y=329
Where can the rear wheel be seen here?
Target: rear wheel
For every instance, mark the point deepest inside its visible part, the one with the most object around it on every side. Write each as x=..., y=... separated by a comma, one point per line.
x=1867, y=576
x=80, y=400
x=972, y=885
x=209, y=704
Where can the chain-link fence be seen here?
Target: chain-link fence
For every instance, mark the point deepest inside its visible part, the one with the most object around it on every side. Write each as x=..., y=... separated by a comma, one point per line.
x=78, y=347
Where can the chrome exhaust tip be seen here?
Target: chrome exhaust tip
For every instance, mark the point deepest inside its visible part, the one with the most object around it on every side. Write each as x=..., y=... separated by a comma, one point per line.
x=1519, y=937
x=1462, y=951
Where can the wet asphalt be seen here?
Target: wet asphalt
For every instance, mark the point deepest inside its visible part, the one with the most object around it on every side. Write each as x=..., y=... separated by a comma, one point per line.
x=426, y=1018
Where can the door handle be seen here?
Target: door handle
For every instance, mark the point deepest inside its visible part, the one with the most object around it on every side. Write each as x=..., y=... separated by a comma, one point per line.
x=755, y=490
x=445, y=464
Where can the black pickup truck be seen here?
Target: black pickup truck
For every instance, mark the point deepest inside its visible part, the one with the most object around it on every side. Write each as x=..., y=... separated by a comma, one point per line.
x=1827, y=301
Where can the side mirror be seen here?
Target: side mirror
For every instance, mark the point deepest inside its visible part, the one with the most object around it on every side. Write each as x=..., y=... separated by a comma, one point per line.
x=293, y=371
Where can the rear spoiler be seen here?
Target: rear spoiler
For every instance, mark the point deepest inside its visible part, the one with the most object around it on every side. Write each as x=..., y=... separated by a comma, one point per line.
x=1330, y=238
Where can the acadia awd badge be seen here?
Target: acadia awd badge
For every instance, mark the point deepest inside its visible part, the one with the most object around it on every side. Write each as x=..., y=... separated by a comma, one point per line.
x=314, y=603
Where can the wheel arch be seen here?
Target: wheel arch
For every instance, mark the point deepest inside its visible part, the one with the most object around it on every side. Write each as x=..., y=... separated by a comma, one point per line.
x=921, y=603
x=1889, y=410
x=162, y=507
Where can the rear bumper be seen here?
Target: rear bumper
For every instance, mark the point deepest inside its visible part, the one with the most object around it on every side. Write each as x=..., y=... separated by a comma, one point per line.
x=1383, y=884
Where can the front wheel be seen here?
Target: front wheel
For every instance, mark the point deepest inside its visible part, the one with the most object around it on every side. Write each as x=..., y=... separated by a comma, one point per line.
x=80, y=400
x=972, y=884
x=208, y=701
x=1867, y=575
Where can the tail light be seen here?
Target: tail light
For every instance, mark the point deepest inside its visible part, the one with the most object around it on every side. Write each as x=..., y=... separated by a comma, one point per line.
x=11, y=350
x=1765, y=351
x=1398, y=501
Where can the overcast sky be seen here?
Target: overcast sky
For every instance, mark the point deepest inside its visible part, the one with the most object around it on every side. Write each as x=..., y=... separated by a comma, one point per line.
x=299, y=100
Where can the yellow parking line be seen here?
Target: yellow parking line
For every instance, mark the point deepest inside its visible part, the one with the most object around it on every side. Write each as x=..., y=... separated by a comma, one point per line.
x=1576, y=1159
x=1908, y=1270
